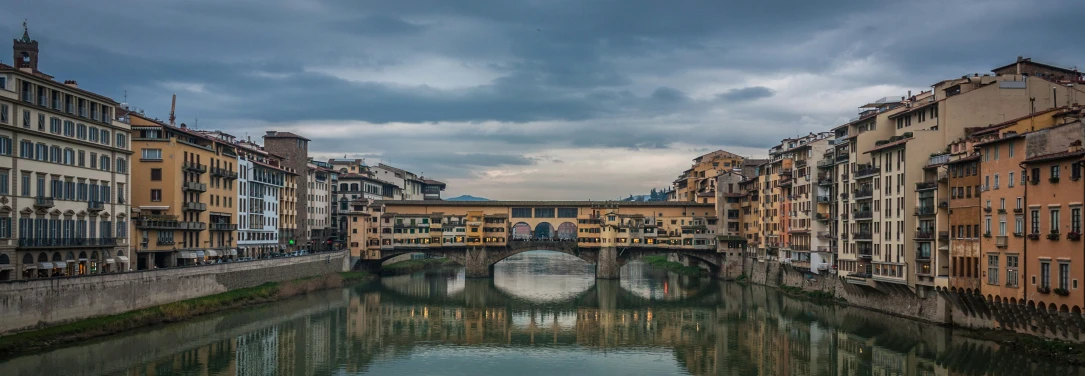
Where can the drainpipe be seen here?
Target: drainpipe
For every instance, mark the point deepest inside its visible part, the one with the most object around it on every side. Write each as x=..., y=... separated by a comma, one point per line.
x=1024, y=210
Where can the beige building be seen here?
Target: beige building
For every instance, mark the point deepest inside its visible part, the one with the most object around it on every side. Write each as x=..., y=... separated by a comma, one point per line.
x=808, y=238
x=64, y=176
x=319, y=226
x=698, y=183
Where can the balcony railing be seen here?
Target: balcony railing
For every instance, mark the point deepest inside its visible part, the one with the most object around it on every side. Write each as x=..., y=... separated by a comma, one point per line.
x=862, y=235
x=199, y=226
x=862, y=214
x=863, y=193
x=824, y=199
x=164, y=242
x=824, y=235
x=196, y=206
x=924, y=234
x=926, y=185
x=865, y=172
x=95, y=206
x=938, y=159
x=842, y=158
x=925, y=210
x=43, y=202
x=825, y=181
x=1000, y=241
x=822, y=217
x=69, y=242
x=195, y=167
x=219, y=171
x=156, y=224
x=223, y=226
x=194, y=186
x=922, y=254
x=826, y=163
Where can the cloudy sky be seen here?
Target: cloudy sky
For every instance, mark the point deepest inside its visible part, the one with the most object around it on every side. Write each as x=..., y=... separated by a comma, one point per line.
x=533, y=99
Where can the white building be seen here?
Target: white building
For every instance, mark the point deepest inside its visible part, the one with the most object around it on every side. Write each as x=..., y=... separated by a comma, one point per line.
x=63, y=175
x=261, y=181
x=319, y=179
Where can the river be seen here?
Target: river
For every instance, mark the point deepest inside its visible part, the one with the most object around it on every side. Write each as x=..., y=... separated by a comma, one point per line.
x=542, y=314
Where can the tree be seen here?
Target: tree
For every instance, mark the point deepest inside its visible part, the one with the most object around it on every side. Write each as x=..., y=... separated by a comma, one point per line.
x=653, y=196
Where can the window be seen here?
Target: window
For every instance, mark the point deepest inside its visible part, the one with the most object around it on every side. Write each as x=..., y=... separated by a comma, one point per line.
x=1054, y=221
x=1055, y=172
x=1011, y=270
x=1045, y=274
x=5, y=146
x=105, y=137
x=26, y=118
x=1010, y=147
x=521, y=212
x=26, y=149
x=3, y=113
x=1019, y=225
x=1064, y=276
x=26, y=185
x=93, y=134
x=1075, y=220
x=992, y=269
x=69, y=128
x=105, y=163
x=122, y=140
x=156, y=195
x=1002, y=226
x=996, y=180
x=3, y=82
x=122, y=166
x=69, y=157
x=156, y=174
x=1009, y=182
x=1035, y=225
x=81, y=131
x=987, y=225
x=54, y=125
x=152, y=154
x=4, y=183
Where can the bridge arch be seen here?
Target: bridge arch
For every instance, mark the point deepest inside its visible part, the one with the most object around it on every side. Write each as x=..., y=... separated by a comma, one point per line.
x=544, y=230
x=521, y=230
x=567, y=231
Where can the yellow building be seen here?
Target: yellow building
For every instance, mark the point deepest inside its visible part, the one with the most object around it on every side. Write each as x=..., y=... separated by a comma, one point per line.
x=698, y=183
x=184, y=195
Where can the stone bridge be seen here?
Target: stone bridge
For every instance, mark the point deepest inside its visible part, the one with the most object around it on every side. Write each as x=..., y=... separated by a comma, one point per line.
x=479, y=261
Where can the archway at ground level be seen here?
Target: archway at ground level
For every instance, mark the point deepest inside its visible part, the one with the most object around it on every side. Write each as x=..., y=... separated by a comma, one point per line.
x=521, y=230
x=544, y=230
x=567, y=231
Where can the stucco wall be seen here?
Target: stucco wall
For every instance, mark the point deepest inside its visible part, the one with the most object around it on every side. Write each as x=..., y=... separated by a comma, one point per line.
x=37, y=303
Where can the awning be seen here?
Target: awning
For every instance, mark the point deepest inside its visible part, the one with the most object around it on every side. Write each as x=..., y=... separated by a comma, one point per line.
x=45, y=265
x=212, y=253
x=200, y=254
x=122, y=259
x=186, y=255
x=232, y=252
x=30, y=267
x=110, y=261
x=60, y=264
x=7, y=267
x=82, y=260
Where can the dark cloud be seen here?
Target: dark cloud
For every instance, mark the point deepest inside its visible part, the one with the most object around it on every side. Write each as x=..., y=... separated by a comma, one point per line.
x=745, y=94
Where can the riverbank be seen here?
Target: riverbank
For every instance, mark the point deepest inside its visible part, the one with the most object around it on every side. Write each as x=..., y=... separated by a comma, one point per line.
x=81, y=330
x=411, y=266
x=661, y=261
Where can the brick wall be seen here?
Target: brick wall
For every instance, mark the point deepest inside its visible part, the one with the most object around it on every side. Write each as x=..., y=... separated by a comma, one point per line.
x=30, y=304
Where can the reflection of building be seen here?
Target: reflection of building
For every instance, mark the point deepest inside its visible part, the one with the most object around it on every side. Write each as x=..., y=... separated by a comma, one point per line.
x=257, y=351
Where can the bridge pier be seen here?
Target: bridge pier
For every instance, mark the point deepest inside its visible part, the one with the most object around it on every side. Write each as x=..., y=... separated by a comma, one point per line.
x=475, y=263
x=607, y=266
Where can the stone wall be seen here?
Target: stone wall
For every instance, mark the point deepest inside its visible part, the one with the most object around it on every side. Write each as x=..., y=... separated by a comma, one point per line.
x=942, y=307
x=31, y=304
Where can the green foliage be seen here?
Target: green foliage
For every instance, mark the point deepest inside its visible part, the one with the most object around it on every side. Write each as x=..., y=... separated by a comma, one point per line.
x=674, y=267
x=411, y=266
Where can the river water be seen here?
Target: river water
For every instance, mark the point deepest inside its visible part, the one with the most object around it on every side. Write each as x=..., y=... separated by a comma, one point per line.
x=542, y=314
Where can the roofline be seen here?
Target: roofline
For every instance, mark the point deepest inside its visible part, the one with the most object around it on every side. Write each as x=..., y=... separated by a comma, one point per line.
x=112, y=102
x=670, y=204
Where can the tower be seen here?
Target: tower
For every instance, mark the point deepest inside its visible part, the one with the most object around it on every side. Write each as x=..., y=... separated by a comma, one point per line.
x=26, y=51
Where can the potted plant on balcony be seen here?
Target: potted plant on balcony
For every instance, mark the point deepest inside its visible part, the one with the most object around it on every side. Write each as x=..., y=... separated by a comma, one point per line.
x=1061, y=291
x=1034, y=236
x=1043, y=289
x=1054, y=235
x=1074, y=235
x=1053, y=179
x=987, y=234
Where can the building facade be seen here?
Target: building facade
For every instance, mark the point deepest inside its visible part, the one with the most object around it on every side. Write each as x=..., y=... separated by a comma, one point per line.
x=261, y=182
x=294, y=150
x=64, y=175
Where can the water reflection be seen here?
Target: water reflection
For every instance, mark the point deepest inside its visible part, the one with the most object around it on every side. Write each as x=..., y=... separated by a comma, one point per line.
x=438, y=323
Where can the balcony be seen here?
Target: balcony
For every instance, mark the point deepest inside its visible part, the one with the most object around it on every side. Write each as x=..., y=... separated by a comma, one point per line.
x=822, y=217
x=924, y=234
x=65, y=243
x=222, y=172
x=1000, y=241
x=862, y=235
x=196, y=226
x=1018, y=211
x=194, y=186
x=164, y=242
x=925, y=210
x=157, y=223
x=824, y=235
x=95, y=206
x=843, y=158
x=922, y=255
x=195, y=167
x=41, y=202
x=824, y=199
x=943, y=236
x=223, y=226
x=864, y=193
x=862, y=214
x=800, y=163
x=866, y=253
x=826, y=163
x=825, y=181
x=926, y=186
x=938, y=159
x=866, y=172
x=194, y=206
x=844, y=177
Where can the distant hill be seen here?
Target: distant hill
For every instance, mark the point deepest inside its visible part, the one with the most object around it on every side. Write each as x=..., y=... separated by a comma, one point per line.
x=467, y=198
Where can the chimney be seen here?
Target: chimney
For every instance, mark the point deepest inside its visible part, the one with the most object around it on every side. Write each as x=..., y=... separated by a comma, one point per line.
x=184, y=126
x=909, y=93
x=71, y=83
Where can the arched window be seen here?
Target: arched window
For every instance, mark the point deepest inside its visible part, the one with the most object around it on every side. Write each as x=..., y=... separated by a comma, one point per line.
x=42, y=257
x=26, y=57
x=567, y=231
x=544, y=230
x=56, y=256
x=4, y=259
x=354, y=187
x=28, y=259
x=521, y=230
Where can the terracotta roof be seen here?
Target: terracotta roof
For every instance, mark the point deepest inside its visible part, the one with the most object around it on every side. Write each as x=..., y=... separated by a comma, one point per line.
x=1055, y=156
x=285, y=135
x=1029, y=61
x=996, y=127
x=889, y=145
x=433, y=182
x=547, y=203
x=965, y=159
x=997, y=140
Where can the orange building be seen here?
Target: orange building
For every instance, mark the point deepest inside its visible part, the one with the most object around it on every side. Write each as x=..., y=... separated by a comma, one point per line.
x=1055, y=193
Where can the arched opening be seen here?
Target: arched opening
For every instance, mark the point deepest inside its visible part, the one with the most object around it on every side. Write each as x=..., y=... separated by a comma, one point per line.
x=5, y=267
x=543, y=276
x=521, y=231
x=567, y=231
x=544, y=230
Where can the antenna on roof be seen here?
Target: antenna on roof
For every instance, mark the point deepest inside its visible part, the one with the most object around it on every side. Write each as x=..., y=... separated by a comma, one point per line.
x=173, y=107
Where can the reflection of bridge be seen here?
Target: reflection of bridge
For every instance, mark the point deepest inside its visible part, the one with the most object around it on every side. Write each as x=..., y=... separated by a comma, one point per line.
x=480, y=234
